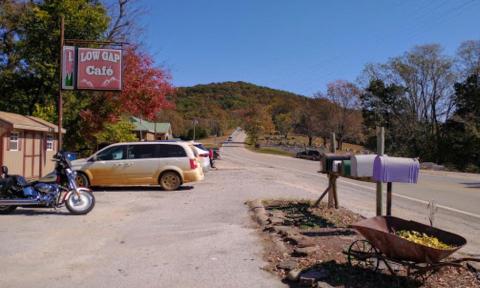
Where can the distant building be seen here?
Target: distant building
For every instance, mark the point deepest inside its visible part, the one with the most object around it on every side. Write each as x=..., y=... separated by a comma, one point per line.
x=27, y=144
x=146, y=130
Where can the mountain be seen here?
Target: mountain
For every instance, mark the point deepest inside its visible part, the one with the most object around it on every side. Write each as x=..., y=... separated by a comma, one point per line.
x=220, y=106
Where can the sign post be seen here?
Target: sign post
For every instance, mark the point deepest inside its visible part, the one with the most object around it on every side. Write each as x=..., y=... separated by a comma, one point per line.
x=380, y=152
x=60, y=100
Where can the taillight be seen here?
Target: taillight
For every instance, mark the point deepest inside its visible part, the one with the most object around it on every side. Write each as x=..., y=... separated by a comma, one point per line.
x=193, y=164
x=204, y=155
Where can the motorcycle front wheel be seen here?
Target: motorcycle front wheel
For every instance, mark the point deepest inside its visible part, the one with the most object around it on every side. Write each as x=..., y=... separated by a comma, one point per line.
x=80, y=204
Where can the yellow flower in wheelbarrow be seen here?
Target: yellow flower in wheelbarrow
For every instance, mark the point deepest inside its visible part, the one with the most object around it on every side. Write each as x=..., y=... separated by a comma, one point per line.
x=423, y=239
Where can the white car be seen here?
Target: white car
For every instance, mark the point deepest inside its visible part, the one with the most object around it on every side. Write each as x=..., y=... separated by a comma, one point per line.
x=203, y=156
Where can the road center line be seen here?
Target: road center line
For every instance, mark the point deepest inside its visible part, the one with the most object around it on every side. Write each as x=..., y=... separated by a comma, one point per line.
x=451, y=209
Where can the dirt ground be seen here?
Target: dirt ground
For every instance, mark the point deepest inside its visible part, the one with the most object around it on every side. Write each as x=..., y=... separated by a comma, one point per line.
x=301, y=240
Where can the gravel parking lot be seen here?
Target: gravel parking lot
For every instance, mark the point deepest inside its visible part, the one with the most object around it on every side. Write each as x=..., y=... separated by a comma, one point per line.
x=200, y=236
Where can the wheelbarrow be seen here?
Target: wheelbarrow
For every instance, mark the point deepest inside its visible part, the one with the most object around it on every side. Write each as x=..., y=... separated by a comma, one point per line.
x=381, y=244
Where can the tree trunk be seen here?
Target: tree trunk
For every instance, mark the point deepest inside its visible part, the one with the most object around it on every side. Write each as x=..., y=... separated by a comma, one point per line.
x=310, y=139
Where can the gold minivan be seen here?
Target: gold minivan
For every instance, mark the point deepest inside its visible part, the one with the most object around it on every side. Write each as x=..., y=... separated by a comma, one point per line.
x=165, y=163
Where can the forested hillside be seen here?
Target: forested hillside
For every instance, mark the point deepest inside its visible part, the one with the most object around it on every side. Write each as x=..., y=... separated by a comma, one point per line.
x=220, y=106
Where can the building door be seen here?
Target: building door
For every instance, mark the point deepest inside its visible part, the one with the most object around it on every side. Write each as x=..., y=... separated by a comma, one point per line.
x=32, y=155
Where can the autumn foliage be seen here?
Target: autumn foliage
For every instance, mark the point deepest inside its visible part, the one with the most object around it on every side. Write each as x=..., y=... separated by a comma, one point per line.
x=145, y=86
x=144, y=94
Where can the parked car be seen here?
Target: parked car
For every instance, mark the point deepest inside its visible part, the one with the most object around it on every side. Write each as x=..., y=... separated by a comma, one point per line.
x=203, y=155
x=309, y=154
x=165, y=163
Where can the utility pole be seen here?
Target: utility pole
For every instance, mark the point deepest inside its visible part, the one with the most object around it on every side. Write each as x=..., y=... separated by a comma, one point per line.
x=380, y=152
x=194, y=123
x=60, y=98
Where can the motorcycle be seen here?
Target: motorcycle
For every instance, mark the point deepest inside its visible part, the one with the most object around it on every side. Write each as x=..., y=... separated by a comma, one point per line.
x=15, y=191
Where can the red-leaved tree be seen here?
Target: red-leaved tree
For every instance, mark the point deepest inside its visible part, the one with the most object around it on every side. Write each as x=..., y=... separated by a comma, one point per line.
x=144, y=94
x=145, y=87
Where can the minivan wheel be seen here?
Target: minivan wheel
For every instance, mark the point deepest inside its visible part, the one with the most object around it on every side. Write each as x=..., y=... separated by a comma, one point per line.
x=170, y=181
x=82, y=180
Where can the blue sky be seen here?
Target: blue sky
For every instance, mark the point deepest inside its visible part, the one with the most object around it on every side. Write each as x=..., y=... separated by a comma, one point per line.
x=296, y=45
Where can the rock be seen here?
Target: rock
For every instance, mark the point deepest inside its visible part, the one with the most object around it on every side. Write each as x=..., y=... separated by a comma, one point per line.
x=321, y=284
x=305, y=242
x=293, y=275
x=474, y=266
x=288, y=264
x=276, y=221
x=311, y=277
x=304, y=251
x=280, y=246
x=256, y=204
x=282, y=230
x=278, y=214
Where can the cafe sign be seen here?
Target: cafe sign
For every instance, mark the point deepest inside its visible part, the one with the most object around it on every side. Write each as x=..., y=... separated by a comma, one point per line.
x=99, y=69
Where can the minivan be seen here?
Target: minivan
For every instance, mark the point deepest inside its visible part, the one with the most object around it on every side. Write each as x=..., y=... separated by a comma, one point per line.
x=165, y=163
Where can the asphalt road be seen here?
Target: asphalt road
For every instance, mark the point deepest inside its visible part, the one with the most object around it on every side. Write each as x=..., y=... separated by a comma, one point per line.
x=200, y=236
x=457, y=194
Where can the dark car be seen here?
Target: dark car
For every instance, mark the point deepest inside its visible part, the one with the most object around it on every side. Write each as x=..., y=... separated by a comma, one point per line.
x=309, y=154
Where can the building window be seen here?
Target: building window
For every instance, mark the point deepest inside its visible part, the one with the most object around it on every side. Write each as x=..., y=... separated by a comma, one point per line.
x=13, y=144
x=49, y=143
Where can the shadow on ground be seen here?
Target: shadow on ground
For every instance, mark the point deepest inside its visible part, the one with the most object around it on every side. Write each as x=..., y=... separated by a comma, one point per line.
x=137, y=189
x=39, y=211
x=300, y=216
x=471, y=185
x=354, y=277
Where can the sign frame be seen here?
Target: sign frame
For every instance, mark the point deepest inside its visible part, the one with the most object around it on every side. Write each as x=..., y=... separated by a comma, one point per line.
x=69, y=67
x=119, y=66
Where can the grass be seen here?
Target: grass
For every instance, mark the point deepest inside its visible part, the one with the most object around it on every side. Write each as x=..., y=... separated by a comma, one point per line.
x=318, y=142
x=215, y=142
x=270, y=150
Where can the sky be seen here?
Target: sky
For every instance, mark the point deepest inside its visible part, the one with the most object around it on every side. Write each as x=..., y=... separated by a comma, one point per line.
x=296, y=45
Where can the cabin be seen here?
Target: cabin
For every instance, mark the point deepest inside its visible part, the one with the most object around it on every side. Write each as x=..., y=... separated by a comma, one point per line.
x=149, y=131
x=27, y=144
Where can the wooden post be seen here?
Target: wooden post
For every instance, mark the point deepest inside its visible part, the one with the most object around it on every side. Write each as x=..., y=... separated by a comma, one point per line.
x=60, y=100
x=333, y=143
x=380, y=151
x=389, y=199
x=332, y=179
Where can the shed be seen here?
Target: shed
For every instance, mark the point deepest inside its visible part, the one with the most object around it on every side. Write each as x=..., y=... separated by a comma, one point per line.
x=27, y=144
x=146, y=130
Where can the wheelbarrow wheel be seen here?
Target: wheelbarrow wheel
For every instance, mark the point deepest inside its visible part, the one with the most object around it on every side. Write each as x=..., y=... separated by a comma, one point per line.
x=362, y=254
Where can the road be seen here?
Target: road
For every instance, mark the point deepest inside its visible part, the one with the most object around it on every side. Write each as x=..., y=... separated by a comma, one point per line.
x=200, y=236
x=457, y=194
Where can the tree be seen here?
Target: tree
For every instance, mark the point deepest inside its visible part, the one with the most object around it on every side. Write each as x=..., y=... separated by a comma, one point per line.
x=343, y=114
x=427, y=76
x=305, y=119
x=384, y=106
x=120, y=131
x=462, y=144
x=258, y=122
x=283, y=123
x=30, y=47
x=468, y=55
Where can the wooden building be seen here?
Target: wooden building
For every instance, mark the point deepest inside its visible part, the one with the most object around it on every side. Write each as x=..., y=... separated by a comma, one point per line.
x=27, y=144
x=149, y=131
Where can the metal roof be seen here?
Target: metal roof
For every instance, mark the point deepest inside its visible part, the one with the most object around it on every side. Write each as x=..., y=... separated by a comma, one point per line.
x=144, y=125
x=18, y=121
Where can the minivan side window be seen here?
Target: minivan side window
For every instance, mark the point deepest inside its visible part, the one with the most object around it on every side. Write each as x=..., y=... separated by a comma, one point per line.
x=113, y=153
x=142, y=151
x=169, y=150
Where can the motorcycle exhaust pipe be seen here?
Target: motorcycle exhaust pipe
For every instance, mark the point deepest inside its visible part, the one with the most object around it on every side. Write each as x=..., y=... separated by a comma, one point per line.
x=19, y=202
